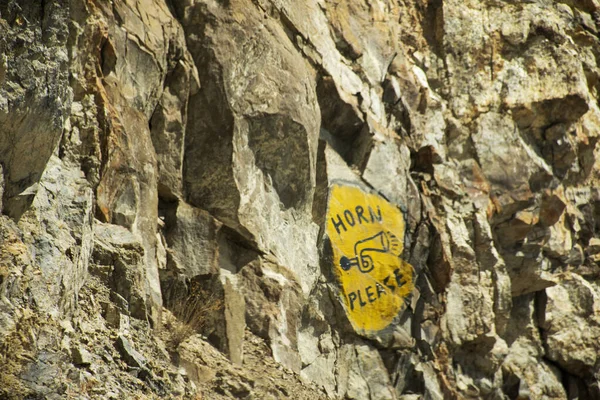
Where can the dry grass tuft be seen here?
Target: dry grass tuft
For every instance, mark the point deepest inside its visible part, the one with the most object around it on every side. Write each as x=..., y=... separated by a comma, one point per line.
x=193, y=312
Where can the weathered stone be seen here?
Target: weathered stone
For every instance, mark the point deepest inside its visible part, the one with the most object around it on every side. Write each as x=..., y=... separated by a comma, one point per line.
x=432, y=388
x=235, y=323
x=34, y=95
x=470, y=294
x=529, y=275
x=118, y=247
x=318, y=342
x=273, y=299
x=199, y=140
x=135, y=63
x=169, y=120
x=404, y=375
x=490, y=259
x=320, y=370
x=552, y=208
x=131, y=356
x=571, y=323
x=258, y=194
x=516, y=229
x=526, y=375
x=59, y=224
x=115, y=318
x=507, y=162
x=361, y=374
x=387, y=160
x=81, y=356
x=560, y=241
x=191, y=238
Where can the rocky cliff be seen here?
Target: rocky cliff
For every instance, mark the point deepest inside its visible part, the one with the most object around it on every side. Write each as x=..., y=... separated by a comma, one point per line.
x=381, y=199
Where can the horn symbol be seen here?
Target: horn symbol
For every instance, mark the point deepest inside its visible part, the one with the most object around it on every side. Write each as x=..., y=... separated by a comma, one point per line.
x=382, y=242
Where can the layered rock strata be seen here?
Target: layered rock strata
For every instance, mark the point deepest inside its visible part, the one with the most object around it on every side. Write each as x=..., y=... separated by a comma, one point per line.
x=168, y=169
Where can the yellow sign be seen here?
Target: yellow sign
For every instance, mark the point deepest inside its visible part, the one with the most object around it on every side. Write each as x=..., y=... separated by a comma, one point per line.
x=367, y=238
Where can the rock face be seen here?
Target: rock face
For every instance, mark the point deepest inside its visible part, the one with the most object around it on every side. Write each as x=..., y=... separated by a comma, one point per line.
x=390, y=200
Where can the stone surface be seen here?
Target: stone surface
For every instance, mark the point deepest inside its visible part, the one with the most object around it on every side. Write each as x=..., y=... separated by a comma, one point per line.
x=237, y=151
x=525, y=371
x=35, y=95
x=362, y=374
x=60, y=225
x=273, y=300
x=258, y=376
x=131, y=356
x=122, y=252
x=81, y=356
x=182, y=153
x=191, y=241
x=570, y=324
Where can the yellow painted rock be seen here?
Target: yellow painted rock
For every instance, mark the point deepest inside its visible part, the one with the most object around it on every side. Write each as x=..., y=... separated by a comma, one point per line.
x=367, y=238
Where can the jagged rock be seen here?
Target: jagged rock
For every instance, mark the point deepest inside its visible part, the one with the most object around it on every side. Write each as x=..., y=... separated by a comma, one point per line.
x=258, y=194
x=59, y=224
x=470, y=295
x=321, y=369
x=192, y=241
x=525, y=374
x=524, y=361
x=234, y=310
x=273, y=299
x=260, y=377
x=361, y=374
x=507, y=162
x=387, y=160
x=169, y=120
x=517, y=228
x=571, y=323
x=115, y=318
x=184, y=151
x=135, y=56
x=123, y=252
x=81, y=356
x=131, y=356
x=35, y=95
x=432, y=388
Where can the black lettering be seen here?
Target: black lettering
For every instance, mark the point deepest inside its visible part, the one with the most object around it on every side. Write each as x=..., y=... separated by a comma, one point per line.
x=385, y=282
x=380, y=289
x=349, y=218
x=352, y=299
x=359, y=214
x=370, y=295
x=399, y=277
x=375, y=216
x=339, y=223
x=360, y=300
